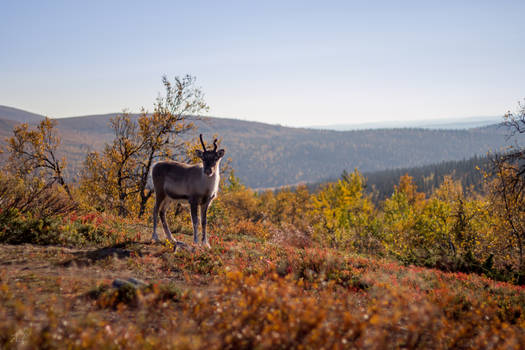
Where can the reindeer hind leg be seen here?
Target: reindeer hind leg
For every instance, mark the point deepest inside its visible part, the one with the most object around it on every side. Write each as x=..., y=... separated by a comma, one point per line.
x=167, y=231
x=158, y=202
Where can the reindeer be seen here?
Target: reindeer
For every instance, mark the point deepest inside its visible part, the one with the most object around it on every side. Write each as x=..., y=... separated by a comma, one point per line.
x=198, y=184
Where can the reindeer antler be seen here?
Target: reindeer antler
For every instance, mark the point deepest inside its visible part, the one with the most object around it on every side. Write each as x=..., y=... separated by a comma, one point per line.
x=214, y=145
x=203, y=145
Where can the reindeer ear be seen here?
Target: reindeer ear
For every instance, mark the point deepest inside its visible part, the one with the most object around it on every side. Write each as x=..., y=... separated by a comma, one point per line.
x=220, y=153
x=199, y=153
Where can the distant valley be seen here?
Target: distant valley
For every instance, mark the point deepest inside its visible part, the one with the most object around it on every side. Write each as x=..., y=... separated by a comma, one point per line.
x=448, y=123
x=266, y=155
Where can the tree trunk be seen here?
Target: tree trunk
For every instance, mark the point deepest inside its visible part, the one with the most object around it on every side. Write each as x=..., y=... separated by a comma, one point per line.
x=143, y=201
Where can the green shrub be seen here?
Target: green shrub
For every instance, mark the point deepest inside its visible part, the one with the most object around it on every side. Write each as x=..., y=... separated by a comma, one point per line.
x=17, y=228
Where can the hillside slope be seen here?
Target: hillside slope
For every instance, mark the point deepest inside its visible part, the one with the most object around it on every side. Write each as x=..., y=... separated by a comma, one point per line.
x=266, y=155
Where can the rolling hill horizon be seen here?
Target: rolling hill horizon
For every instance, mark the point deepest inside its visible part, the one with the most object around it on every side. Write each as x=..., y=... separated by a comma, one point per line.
x=21, y=115
x=265, y=155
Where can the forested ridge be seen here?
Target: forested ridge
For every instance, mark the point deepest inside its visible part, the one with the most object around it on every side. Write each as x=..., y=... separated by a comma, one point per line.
x=427, y=178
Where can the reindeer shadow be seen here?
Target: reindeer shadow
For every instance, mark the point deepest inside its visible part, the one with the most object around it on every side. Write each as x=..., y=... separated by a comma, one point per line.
x=119, y=251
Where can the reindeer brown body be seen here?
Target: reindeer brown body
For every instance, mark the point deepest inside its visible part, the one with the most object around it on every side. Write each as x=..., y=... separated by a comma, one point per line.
x=198, y=184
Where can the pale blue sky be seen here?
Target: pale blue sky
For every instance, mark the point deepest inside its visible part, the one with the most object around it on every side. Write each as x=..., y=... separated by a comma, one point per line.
x=288, y=62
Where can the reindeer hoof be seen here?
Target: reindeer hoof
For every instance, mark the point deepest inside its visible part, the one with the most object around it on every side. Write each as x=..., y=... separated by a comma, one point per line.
x=181, y=245
x=206, y=245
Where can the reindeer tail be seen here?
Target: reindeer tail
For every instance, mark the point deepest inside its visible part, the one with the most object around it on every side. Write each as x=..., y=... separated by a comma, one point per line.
x=149, y=181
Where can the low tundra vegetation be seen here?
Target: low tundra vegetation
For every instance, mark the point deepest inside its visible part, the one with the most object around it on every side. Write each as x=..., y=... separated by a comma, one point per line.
x=260, y=295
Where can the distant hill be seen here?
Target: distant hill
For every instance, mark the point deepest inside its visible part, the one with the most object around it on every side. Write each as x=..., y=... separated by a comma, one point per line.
x=19, y=115
x=266, y=155
x=6, y=126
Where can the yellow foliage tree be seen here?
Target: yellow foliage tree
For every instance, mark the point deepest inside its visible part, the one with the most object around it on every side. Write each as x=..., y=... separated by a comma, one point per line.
x=117, y=178
x=33, y=152
x=507, y=199
x=400, y=214
x=448, y=230
x=507, y=194
x=345, y=214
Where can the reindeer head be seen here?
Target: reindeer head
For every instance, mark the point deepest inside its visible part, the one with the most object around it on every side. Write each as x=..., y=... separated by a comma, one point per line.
x=210, y=159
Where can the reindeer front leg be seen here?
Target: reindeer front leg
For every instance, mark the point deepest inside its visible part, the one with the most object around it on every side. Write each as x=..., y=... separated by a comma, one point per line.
x=204, y=210
x=159, y=199
x=194, y=205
